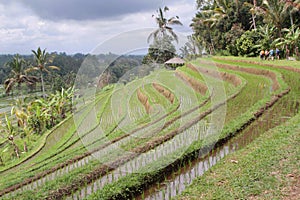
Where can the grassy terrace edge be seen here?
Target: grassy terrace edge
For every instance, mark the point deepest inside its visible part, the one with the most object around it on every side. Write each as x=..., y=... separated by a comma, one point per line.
x=265, y=169
x=129, y=185
x=257, y=105
x=133, y=184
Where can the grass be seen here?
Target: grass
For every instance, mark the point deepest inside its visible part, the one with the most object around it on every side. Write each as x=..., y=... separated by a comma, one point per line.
x=237, y=106
x=43, y=152
x=59, y=183
x=266, y=169
x=131, y=181
x=282, y=62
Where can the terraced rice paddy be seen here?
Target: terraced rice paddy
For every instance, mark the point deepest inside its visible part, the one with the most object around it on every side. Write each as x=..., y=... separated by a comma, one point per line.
x=151, y=137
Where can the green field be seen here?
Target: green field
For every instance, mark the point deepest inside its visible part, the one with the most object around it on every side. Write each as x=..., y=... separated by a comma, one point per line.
x=129, y=137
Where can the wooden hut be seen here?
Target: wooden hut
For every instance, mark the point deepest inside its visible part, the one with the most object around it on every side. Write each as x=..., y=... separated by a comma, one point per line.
x=174, y=62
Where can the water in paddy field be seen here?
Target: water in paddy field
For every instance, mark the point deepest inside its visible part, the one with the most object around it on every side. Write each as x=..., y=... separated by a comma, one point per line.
x=175, y=183
x=140, y=161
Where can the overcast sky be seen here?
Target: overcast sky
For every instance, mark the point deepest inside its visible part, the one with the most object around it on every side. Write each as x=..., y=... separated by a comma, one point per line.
x=80, y=25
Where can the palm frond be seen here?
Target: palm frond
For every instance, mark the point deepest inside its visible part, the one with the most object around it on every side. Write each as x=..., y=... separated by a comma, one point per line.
x=54, y=67
x=153, y=35
x=9, y=85
x=174, y=21
x=170, y=30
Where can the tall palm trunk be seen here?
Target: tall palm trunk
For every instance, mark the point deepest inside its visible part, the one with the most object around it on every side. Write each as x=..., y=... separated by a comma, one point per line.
x=292, y=22
x=42, y=86
x=253, y=15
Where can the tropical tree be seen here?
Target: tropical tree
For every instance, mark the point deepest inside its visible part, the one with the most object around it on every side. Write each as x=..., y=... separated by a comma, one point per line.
x=38, y=112
x=19, y=74
x=246, y=44
x=275, y=12
x=266, y=34
x=160, y=51
x=220, y=10
x=255, y=10
x=10, y=132
x=291, y=39
x=45, y=113
x=214, y=18
x=193, y=47
x=184, y=51
x=20, y=112
x=164, y=25
x=292, y=7
x=203, y=29
x=41, y=58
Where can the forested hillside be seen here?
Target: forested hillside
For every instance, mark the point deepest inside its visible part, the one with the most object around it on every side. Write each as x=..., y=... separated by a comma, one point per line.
x=245, y=27
x=69, y=65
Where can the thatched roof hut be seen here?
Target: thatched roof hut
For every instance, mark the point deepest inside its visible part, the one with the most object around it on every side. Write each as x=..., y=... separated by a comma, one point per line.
x=175, y=62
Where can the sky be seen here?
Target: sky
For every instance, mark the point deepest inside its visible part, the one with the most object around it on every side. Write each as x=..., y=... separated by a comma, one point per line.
x=77, y=26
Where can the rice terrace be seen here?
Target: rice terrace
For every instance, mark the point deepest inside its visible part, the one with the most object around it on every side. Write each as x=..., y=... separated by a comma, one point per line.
x=212, y=115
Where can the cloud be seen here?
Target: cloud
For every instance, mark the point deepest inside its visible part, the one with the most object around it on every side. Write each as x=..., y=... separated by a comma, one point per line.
x=23, y=29
x=88, y=9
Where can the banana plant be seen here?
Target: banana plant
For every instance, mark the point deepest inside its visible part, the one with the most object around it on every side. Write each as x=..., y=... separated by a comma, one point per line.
x=291, y=38
x=21, y=116
x=9, y=131
x=37, y=120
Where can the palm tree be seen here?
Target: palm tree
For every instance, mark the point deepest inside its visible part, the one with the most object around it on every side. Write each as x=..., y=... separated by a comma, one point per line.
x=19, y=74
x=291, y=7
x=205, y=18
x=275, y=12
x=41, y=59
x=193, y=47
x=164, y=25
x=254, y=11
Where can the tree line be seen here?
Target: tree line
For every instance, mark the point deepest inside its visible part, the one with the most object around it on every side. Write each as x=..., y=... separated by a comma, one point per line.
x=54, y=71
x=244, y=27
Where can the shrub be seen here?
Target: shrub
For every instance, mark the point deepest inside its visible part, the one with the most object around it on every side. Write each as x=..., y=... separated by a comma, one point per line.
x=246, y=44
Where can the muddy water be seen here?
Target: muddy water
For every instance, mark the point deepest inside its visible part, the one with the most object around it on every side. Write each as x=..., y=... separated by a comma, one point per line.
x=175, y=183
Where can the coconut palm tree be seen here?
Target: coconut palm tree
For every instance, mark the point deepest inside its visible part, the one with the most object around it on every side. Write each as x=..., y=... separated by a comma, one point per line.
x=275, y=12
x=41, y=58
x=19, y=74
x=292, y=7
x=254, y=10
x=205, y=18
x=193, y=47
x=164, y=25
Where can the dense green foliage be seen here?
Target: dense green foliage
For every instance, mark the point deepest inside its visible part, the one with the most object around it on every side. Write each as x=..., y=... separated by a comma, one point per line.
x=220, y=24
x=92, y=66
x=29, y=119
